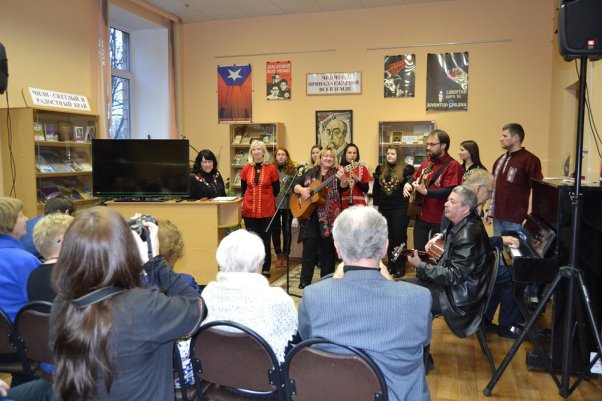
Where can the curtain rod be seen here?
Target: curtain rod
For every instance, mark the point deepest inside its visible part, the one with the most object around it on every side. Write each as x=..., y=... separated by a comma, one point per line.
x=156, y=10
x=469, y=42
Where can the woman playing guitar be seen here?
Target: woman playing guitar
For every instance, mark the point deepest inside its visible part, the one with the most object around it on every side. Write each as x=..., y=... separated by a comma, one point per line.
x=316, y=231
x=358, y=177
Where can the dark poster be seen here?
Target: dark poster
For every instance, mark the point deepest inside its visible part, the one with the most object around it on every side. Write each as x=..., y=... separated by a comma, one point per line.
x=447, y=81
x=234, y=90
x=400, y=75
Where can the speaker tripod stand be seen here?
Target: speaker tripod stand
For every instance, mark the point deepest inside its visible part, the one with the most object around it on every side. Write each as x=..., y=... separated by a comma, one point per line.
x=573, y=275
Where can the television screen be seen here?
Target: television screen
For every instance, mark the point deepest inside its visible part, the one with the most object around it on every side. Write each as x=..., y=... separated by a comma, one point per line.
x=140, y=168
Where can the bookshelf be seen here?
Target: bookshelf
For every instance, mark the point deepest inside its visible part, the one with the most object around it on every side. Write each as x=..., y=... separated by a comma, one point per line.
x=409, y=136
x=51, y=155
x=241, y=137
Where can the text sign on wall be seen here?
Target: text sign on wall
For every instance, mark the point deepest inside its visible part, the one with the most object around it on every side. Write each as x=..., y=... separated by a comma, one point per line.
x=48, y=98
x=334, y=83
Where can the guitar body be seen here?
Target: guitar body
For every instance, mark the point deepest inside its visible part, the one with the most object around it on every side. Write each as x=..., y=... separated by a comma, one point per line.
x=303, y=208
x=415, y=204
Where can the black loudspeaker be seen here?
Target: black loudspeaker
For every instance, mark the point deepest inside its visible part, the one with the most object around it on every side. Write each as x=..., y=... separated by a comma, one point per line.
x=580, y=29
x=3, y=69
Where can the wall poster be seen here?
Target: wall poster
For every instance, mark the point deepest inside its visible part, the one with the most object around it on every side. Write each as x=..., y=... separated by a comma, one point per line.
x=278, y=80
x=234, y=93
x=447, y=81
x=400, y=75
x=334, y=127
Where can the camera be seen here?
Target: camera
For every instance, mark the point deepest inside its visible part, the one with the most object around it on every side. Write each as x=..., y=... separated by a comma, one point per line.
x=137, y=225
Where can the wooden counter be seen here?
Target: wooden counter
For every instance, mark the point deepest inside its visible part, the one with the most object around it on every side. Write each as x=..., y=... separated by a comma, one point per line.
x=202, y=224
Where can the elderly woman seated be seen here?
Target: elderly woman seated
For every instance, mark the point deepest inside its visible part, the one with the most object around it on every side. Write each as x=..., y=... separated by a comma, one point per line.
x=241, y=294
x=48, y=240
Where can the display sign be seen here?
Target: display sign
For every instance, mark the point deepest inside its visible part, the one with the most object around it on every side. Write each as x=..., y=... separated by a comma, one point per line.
x=49, y=98
x=334, y=83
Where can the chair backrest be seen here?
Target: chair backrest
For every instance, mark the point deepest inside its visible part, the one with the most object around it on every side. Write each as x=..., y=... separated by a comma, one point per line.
x=7, y=334
x=31, y=324
x=492, y=274
x=240, y=360
x=313, y=374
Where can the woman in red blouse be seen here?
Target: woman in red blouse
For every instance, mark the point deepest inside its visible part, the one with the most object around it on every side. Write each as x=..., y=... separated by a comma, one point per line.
x=358, y=177
x=259, y=182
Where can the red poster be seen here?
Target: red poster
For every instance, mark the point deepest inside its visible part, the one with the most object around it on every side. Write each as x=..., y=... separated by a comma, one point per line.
x=278, y=80
x=234, y=93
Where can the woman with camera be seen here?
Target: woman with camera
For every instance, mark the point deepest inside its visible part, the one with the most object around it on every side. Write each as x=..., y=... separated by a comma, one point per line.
x=113, y=337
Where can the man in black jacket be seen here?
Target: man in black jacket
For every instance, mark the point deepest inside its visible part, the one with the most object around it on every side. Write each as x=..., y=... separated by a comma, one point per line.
x=457, y=282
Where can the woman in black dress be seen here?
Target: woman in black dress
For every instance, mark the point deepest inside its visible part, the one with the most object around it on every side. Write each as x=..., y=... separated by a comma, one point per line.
x=389, y=179
x=205, y=181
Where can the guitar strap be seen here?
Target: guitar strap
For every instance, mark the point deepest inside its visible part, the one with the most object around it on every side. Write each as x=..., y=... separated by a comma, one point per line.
x=438, y=173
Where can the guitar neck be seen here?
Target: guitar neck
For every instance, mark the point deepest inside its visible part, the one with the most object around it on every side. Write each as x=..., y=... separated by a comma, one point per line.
x=323, y=184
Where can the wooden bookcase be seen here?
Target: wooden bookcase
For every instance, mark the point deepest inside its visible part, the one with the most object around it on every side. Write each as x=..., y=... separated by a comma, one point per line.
x=241, y=137
x=410, y=136
x=33, y=169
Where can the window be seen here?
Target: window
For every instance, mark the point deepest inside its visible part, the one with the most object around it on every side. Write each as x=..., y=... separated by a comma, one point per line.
x=121, y=78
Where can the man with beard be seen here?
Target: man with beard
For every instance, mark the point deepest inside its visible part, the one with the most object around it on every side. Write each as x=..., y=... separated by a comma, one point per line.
x=434, y=181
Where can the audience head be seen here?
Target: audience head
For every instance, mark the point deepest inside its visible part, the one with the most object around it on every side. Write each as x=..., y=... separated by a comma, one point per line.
x=48, y=234
x=171, y=243
x=12, y=219
x=360, y=232
x=59, y=204
x=460, y=203
x=240, y=251
x=205, y=161
x=482, y=183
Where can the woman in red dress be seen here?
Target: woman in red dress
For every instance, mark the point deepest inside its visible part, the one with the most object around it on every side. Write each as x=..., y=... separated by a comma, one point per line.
x=358, y=177
x=259, y=182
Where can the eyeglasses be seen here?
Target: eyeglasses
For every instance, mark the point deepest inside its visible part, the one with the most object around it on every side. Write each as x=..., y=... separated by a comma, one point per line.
x=432, y=144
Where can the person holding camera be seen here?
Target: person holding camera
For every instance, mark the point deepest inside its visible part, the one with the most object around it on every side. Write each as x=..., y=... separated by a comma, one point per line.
x=112, y=337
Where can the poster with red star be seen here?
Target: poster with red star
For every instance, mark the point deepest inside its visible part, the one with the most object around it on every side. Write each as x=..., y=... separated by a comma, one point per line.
x=234, y=93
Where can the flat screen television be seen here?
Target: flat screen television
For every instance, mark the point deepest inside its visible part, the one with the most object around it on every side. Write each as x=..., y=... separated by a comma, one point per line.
x=140, y=169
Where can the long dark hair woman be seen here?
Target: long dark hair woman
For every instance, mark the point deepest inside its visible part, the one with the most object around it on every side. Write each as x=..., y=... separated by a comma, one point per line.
x=469, y=154
x=389, y=179
x=358, y=176
x=112, y=336
x=205, y=181
x=283, y=219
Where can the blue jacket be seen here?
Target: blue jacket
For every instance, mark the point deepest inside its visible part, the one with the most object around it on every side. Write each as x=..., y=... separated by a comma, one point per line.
x=27, y=239
x=15, y=266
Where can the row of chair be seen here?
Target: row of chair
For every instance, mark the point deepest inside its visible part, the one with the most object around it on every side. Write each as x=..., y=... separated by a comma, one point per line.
x=241, y=366
x=27, y=341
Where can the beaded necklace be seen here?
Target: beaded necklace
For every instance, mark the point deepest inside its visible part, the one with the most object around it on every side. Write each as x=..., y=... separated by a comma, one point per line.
x=212, y=185
x=389, y=184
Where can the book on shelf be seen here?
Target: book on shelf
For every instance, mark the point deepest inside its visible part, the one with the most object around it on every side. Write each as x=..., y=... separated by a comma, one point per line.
x=82, y=161
x=54, y=159
x=239, y=157
x=65, y=128
x=409, y=159
x=267, y=139
x=237, y=138
x=42, y=165
x=49, y=190
x=246, y=139
x=38, y=132
x=90, y=133
x=51, y=131
x=237, y=178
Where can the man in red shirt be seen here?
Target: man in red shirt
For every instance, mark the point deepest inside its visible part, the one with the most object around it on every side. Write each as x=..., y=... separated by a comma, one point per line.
x=438, y=174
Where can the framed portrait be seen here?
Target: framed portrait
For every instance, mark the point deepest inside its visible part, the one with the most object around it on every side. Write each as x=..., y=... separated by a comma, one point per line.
x=334, y=127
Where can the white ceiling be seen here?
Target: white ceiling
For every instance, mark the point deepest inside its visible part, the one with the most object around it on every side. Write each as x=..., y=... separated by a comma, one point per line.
x=212, y=10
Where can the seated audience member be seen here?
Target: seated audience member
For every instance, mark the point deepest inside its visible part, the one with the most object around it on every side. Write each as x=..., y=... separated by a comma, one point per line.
x=15, y=262
x=36, y=390
x=58, y=204
x=241, y=294
x=206, y=182
x=171, y=248
x=48, y=239
x=112, y=337
x=510, y=317
x=457, y=282
x=389, y=320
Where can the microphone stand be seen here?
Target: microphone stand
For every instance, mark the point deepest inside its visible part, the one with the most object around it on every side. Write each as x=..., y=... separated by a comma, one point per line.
x=267, y=230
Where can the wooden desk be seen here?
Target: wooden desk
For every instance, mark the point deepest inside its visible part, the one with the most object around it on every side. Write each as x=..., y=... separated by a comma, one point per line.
x=202, y=224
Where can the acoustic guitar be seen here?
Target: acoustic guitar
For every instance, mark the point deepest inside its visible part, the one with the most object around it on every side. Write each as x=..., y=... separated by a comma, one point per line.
x=303, y=208
x=431, y=256
x=416, y=198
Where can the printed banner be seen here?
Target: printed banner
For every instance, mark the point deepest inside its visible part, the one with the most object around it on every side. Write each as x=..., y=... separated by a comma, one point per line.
x=447, y=81
x=334, y=83
x=278, y=80
x=234, y=93
x=400, y=75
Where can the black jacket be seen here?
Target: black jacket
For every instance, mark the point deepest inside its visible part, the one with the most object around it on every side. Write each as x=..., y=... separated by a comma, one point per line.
x=462, y=274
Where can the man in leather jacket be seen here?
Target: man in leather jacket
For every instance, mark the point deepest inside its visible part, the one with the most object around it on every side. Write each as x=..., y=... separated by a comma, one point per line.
x=457, y=282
